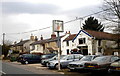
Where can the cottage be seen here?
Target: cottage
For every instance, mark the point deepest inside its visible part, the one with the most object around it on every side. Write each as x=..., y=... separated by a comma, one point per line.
x=47, y=45
x=24, y=45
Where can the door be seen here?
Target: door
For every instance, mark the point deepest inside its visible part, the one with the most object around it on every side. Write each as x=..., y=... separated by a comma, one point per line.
x=69, y=58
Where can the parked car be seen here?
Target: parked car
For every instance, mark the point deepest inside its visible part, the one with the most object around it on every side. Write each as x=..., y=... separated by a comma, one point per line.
x=29, y=58
x=45, y=61
x=64, y=61
x=14, y=57
x=100, y=63
x=47, y=56
x=115, y=66
x=80, y=64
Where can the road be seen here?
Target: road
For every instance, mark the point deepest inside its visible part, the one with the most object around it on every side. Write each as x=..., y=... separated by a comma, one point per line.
x=37, y=69
x=9, y=69
x=17, y=68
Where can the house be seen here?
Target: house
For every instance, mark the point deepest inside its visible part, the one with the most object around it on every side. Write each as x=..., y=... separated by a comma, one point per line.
x=49, y=45
x=24, y=45
x=90, y=42
x=45, y=45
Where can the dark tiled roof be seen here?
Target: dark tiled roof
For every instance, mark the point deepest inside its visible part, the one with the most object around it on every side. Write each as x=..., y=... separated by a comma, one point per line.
x=21, y=43
x=70, y=37
x=46, y=41
x=103, y=35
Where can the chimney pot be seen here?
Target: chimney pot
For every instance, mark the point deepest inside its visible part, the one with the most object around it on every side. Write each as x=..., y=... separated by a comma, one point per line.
x=36, y=39
x=32, y=37
x=41, y=38
x=53, y=35
x=69, y=32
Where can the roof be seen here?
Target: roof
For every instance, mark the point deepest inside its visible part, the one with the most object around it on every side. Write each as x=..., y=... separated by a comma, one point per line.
x=21, y=43
x=99, y=35
x=38, y=42
x=103, y=35
x=46, y=40
x=70, y=37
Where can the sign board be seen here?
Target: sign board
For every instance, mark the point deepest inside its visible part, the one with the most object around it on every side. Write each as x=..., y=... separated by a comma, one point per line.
x=58, y=26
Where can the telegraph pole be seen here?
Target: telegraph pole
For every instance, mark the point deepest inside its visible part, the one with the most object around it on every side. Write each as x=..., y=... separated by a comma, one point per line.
x=3, y=38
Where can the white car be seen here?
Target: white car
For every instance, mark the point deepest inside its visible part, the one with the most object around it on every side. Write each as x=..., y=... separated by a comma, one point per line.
x=80, y=64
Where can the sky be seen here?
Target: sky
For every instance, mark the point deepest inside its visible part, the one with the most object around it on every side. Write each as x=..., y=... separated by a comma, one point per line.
x=21, y=18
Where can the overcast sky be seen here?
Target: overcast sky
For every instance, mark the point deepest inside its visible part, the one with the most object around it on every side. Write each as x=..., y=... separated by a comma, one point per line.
x=20, y=16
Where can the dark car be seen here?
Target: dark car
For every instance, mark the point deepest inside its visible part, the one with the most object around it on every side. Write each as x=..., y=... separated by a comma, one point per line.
x=29, y=58
x=14, y=57
x=100, y=63
x=115, y=66
x=47, y=56
x=45, y=61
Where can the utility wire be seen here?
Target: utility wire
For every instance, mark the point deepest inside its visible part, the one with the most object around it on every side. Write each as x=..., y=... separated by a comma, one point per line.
x=64, y=23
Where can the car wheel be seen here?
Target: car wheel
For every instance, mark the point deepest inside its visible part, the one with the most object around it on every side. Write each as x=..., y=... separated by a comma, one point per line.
x=72, y=70
x=47, y=64
x=109, y=71
x=26, y=62
x=56, y=66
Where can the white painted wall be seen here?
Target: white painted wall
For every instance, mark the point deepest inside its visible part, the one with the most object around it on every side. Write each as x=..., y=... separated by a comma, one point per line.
x=73, y=45
x=26, y=46
x=63, y=44
x=38, y=48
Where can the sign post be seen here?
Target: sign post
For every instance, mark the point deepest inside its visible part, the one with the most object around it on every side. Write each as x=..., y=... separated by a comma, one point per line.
x=58, y=27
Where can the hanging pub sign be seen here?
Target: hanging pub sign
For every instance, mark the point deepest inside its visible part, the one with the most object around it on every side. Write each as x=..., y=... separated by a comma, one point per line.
x=58, y=26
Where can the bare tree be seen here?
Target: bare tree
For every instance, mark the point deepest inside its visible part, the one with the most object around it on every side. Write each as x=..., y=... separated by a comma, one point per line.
x=8, y=42
x=113, y=12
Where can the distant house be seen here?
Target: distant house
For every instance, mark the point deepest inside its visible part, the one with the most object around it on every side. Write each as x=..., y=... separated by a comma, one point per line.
x=89, y=42
x=24, y=45
x=49, y=45
x=45, y=45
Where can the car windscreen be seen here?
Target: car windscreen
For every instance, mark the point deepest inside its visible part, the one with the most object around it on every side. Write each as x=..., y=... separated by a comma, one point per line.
x=44, y=56
x=27, y=55
x=56, y=57
x=102, y=59
x=64, y=57
x=86, y=58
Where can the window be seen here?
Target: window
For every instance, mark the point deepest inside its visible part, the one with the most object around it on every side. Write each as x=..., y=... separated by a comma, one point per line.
x=114, y=58
x=70, y=57
x=67, y=43
x=77, y=56
x=82, y=41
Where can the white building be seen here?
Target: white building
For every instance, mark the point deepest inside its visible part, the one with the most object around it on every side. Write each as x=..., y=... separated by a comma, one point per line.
x=89, y=42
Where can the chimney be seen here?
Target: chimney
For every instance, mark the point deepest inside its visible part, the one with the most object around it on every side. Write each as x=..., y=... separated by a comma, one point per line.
x=21, y=40
x=53, y=35
x=15, y=42
x=68, y=32
x=32, y=37
x=65, y=32
x=41, y=38
x=36, y=39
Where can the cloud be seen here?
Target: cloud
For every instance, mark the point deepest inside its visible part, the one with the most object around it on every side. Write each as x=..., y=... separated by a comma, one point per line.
x=82, y=11
x=24, y=7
